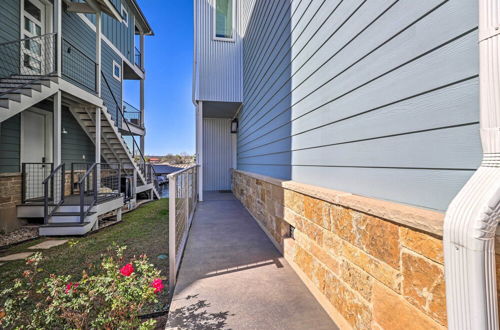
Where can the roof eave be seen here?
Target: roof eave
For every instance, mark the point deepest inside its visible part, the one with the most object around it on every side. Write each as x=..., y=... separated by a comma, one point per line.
x=141, y=19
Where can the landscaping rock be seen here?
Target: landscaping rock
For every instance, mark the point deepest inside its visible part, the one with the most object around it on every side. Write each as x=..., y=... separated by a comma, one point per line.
x=20, y=235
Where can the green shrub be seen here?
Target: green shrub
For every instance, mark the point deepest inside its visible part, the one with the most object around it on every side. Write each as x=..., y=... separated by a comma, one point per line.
x=111, y=298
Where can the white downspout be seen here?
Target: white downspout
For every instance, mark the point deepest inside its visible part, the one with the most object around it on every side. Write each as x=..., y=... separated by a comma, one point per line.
x=473, y=216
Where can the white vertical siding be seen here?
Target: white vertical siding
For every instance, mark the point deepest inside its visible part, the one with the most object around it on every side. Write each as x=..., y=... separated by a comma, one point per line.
x=217, y=154
x=218, y=67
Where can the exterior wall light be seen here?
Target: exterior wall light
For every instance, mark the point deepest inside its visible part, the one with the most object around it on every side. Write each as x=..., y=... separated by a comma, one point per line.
x=234, y=126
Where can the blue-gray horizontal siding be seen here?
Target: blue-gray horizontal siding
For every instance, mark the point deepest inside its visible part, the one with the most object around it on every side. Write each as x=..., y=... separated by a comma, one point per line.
x=10, y=20
x=9, y=31
x=79, y=52
x=10, y=144
x=115, y=86
x=378, y=98
x=76, y=146
x=219, y=63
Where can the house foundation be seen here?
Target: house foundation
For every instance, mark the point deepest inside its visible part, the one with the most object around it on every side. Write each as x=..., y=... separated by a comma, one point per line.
x=10, y=196
x=371, y=263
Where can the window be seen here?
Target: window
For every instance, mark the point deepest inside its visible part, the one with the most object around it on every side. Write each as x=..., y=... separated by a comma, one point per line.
x=224, y=20
x=117, y=71
x=124, y=13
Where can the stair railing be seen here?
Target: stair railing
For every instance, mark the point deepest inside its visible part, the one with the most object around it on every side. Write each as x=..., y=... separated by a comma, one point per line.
x=31, y=57
x=56, y=180
x=121, y=116
x=33, y=175
x=88, y=190
x=182, y=202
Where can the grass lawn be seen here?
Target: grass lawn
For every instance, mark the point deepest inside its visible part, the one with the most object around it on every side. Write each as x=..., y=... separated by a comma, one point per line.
x=143, y=231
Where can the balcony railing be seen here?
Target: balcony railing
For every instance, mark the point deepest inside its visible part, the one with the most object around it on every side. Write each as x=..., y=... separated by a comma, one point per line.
x=78, y=68
x=132, y=114
x=137, y=57
x=183, y=198
x=30, y=57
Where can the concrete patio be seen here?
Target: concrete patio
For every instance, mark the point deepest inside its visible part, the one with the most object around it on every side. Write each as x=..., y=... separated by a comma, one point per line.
x=232, y=276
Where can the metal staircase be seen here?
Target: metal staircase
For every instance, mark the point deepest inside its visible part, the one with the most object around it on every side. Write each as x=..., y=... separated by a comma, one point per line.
x=27, y=70
x=114, y=148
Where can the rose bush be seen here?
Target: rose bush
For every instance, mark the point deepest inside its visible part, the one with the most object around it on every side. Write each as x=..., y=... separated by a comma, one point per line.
x=111, y=298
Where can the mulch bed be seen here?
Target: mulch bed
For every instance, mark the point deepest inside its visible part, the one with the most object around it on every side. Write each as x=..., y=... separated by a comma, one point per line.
x=23, y=234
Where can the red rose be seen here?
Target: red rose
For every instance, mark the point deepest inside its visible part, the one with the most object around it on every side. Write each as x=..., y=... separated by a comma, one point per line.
x=70, y=286
x=127, y=270
x=158, y=285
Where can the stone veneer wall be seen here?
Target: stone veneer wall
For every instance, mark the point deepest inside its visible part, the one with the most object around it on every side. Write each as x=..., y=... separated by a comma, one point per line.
x=10, y=196
x=371, y=263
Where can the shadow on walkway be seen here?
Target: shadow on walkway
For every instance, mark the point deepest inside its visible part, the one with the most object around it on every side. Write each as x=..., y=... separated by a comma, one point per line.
x=232, y=277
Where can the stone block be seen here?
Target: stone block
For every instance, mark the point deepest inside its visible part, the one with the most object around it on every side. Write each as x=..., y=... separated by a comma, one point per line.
x=294, y=201
x=392, y=312
x=421, y=243
x=304, y=261
x=376, y=268
x=332, y=244
x=317, y=211
x=375, y=236
x=349, y=304
x=424, y=285
x=357, y=279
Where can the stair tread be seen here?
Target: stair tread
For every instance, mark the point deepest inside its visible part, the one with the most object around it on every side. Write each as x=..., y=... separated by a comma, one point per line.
x=67, y=214
x=66, y=224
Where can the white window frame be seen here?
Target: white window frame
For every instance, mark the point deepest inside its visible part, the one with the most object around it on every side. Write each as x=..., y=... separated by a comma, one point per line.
x=214, y=25
x=123, y=9
x=116, y=64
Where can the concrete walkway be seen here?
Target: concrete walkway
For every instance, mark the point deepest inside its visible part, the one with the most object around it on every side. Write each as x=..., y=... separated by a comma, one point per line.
x=232, y=277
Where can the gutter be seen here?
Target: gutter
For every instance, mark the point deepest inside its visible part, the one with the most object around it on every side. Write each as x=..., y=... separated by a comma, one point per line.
x=472, y=217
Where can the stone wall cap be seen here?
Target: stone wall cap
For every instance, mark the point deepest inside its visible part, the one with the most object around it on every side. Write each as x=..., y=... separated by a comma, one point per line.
x=7, y=175
x=421, y=219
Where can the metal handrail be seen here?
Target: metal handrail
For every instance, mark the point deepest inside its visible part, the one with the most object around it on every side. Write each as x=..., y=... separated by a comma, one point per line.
x=25, y=39
x=13, y=54
x=126, y=123
x=71, y=181
x=45, y=183
x=81, y=183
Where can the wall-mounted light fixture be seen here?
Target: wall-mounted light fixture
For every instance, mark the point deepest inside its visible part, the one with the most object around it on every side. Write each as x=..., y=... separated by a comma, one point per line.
x=234, y=126
x=64, y=131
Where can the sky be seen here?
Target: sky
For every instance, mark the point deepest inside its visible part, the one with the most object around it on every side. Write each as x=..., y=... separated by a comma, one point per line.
x=169, y=111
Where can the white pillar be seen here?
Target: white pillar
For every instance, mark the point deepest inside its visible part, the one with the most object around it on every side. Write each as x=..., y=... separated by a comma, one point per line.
x=142, y=104
x=98, y=51
x=98, y=143
x=134, y=185
x=57, y=129
x=58, y=30
x=199, y=148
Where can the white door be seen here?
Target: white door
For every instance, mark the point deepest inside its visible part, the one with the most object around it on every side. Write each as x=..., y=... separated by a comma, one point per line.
x=34, y=152
x=33, y=25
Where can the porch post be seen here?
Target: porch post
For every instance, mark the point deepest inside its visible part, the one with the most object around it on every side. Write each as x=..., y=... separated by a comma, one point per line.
x=134, y=185
x=58, y=31
x=199, y=148
x=57, y=129
x=98, y=144
x=98, y=52
x=142, y=105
